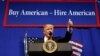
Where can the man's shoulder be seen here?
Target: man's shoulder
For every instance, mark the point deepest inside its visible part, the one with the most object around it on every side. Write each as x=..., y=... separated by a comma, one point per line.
x=57, y=37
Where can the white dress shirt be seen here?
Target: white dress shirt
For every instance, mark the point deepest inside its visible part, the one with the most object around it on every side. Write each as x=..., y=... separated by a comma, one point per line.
x=45, y=39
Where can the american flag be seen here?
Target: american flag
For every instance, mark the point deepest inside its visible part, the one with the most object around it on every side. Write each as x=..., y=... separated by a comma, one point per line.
x=76, y=48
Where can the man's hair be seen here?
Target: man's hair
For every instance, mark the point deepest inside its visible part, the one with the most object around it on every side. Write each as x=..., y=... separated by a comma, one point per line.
x=47, y=25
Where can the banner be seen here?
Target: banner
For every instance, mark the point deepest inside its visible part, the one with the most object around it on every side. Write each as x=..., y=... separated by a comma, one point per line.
x=38, y=14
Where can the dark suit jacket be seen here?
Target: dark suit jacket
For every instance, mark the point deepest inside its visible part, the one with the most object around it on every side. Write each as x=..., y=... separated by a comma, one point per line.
x=66, y=38
x=57, y=39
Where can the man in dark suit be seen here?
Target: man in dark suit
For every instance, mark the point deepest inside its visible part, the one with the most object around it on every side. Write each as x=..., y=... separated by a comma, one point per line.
x=48, y=32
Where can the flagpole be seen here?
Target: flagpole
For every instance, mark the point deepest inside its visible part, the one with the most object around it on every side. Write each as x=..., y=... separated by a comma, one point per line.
x=25, y=45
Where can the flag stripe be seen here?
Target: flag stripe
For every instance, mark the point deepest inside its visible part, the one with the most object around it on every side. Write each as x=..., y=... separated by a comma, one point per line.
x=76, y=53
x=76, y=43
x=76, y=47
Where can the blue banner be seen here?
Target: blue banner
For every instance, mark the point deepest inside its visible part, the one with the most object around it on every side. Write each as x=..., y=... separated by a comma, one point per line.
x=38, y=13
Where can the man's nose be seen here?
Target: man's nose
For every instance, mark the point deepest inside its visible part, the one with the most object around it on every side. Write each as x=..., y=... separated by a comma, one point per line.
x=50, y=30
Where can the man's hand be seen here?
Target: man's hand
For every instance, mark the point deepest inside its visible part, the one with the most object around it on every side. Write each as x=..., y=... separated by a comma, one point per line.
x=70, y=24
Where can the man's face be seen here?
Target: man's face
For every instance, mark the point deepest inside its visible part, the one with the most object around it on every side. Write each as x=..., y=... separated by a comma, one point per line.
x=48, y=29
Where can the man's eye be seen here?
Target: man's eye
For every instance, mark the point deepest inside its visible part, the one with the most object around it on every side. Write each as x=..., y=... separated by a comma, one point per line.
x=48, y=29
